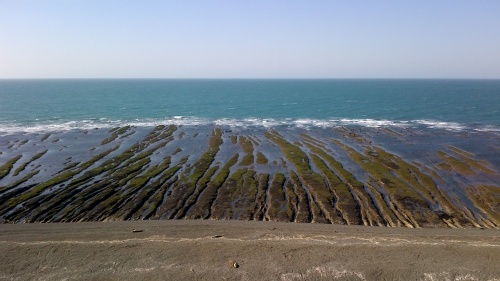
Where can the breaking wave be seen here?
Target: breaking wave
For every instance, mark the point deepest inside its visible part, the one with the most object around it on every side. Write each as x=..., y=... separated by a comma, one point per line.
x=56, y=126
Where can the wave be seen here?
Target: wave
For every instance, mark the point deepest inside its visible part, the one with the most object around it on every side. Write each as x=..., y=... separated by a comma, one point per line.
x=56, y=126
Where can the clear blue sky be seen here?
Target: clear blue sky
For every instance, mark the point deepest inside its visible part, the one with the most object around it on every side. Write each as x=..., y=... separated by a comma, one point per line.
x=249, y=39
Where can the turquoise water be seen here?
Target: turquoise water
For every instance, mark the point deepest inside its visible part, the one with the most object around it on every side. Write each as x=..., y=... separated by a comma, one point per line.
x=36, y=105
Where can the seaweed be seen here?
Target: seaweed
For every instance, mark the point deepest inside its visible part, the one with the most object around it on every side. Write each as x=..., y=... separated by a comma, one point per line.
x=223, y=205
x=17, y=183
x=457, y=165
x=23, y=166
x=204, y=205
x=277, y=200
x=487, y=199
x=247, y=147
x=261, y=159
x=186, y=186
x=60, y=178
x=260, y=206
x=45, y=137
x=234, y=139
x=314, y=182
x=5, y=168
x=406, y=200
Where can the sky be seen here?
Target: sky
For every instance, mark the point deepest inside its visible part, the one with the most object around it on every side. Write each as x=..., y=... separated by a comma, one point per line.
x=249, y=39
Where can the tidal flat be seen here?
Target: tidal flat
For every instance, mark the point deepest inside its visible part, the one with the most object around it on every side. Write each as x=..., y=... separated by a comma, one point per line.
x=394, y=177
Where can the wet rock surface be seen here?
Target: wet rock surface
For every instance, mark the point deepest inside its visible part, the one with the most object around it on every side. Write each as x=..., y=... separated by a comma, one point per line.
x=345, y=175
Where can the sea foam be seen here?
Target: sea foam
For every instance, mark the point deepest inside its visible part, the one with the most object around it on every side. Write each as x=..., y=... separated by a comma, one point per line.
x=90, y=124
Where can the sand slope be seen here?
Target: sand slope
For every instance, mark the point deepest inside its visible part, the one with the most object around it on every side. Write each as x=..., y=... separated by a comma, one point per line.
x=192, y=250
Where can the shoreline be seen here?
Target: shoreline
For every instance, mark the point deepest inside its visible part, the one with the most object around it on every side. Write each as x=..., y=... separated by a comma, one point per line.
x=207, y=250
x=344, y=175
x=248, y=123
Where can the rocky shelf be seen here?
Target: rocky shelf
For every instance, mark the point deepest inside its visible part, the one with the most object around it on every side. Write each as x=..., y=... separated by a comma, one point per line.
x=345, y=175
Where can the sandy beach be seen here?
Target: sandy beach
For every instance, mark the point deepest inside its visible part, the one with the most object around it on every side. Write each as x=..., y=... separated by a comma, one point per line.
x=237, y=250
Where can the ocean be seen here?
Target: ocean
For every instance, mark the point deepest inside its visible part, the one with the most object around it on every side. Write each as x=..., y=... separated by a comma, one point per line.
x=409, y=153
x=53, y=105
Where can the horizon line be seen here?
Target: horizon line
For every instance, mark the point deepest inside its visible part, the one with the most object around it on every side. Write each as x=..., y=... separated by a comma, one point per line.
x=240, y=78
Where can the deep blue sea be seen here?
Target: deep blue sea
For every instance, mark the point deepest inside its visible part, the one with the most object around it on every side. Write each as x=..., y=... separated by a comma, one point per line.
x=41, y=105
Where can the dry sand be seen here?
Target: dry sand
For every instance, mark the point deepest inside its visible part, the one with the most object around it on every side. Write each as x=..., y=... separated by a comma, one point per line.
x=192, y=250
